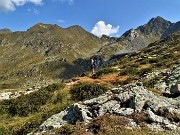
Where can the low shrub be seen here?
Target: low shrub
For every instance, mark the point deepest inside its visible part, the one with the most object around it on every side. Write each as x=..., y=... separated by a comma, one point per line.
x=65, y=130
x=140, y=118
x=85, y=91
x=29, y=103
x=3, y=130
x=154, y=60
x=107, y=125
x=129, y=71
x=151, y=82
x=144, y=61
x=145, y=71
x=130, y=79
x=103, y=72
x=5, y=86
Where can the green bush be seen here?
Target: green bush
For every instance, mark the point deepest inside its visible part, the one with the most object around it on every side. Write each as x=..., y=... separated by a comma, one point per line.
x=140, y=117
x=154, y=60
x=129, y=71
x=3, y=131
x=130, y=79
x=145, y=70
x=103, y=72
x=5, y=86
x=150, y=83
x=29, y=103
x=85, y=91
x=65, y=130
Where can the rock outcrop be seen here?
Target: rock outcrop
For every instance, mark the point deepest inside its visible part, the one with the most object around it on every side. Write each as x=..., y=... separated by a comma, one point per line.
x=122, y=101
x=170, y=80
x=162, y=111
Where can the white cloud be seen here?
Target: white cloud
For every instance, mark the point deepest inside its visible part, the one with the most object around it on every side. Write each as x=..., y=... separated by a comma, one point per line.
x=10, y=5
x=61, y=21
x=102, y=29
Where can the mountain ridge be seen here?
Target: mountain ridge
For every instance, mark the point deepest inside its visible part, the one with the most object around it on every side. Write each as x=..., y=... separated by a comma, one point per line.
x=138, y=38
x=46, y=49
x=58, y=53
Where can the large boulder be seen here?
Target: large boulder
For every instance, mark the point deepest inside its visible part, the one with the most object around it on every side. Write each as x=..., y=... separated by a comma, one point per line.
x=76, y=112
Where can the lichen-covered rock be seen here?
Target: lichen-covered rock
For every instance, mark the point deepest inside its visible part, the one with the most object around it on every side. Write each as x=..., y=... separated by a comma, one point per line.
x=76, y=112
x=124, y=101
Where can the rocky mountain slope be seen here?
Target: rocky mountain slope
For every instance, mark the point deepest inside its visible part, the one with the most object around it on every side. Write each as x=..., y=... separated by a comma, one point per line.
x=149, y=97
x=43, y=52
x=173, y=28
x=46, y=53
x=135, y=39
x=136, y=94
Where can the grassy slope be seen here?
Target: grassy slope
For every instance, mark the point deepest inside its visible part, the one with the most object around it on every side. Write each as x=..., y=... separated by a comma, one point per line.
x=132, y=66
x=44, y=52
x=158, y=56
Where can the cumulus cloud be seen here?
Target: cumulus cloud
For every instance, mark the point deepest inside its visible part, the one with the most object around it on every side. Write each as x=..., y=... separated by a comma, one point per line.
x=101, y=28
x=10, y=5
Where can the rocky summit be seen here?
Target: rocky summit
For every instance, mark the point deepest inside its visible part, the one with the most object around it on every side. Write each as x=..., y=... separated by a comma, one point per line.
x=135, y=39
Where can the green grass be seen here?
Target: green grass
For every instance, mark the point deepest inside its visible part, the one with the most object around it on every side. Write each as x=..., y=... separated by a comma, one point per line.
x=104, y=71
x=85, y=91
x=150, y=83
x=159, y=55
x=25, y=113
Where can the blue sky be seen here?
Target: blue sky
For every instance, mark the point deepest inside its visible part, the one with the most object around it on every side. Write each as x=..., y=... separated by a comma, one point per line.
x=111, y=17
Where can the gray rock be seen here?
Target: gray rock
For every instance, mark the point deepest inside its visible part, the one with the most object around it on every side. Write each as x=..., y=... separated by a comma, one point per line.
x=108, y=107
x=124, y=111
x=155, y=127
x=159, y=119
x=175, y=89
x=77, y=112
x=174, y=77
x=125, y=100
x=99, y=100
x=161, y=85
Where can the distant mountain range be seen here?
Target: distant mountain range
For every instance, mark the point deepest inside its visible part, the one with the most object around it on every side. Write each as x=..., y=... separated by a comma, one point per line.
x=5, y=30
x=135, y=39
x=48, y=52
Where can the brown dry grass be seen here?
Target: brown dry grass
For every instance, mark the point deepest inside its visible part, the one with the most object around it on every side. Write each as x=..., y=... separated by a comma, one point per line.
x=103, y=80
x=144, y=66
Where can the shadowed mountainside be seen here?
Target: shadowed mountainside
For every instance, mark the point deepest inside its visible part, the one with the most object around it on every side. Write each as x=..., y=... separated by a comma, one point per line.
x=42, y=53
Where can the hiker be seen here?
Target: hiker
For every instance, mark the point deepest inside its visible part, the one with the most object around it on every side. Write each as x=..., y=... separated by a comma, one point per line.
x=92, y=66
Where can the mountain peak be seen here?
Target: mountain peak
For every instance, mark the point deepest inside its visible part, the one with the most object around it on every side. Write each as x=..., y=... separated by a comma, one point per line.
x=158, y=19
x=5, y=30
x=75, y=27
x=154, y=28
x=41, y=26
